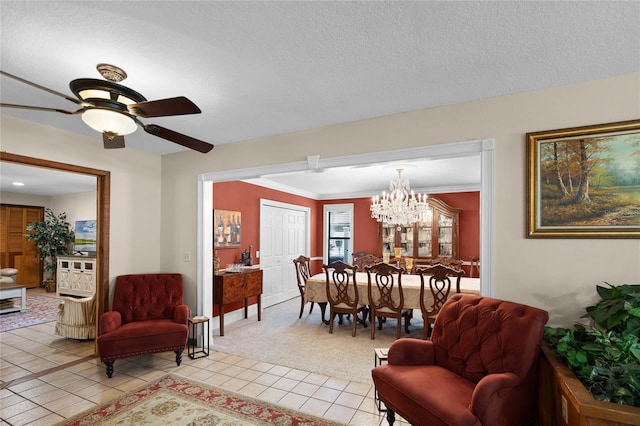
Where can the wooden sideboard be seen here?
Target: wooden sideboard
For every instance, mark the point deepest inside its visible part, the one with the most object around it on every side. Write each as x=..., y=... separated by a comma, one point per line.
x=230, y=287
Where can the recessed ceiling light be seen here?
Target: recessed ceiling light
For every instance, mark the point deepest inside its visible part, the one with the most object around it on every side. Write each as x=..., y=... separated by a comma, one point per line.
x=18, y=183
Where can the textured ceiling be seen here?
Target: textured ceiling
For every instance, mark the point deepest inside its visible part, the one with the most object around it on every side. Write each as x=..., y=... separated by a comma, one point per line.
x=264, y=68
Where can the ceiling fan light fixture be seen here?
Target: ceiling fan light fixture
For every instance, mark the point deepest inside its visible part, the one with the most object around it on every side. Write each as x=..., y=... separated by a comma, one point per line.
x=111, y=72
x=103, y=120
x=94, y=94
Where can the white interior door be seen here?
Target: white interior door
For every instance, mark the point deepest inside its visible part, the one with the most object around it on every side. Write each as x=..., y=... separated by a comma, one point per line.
x=284, y=235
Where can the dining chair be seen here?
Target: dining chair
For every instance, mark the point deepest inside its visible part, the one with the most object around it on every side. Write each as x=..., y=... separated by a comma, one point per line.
x=385, y=281
x=439, y=286
x=475, y=264
x=342, y=294
x=363, y=258
x=303, y=272
x=446, y=261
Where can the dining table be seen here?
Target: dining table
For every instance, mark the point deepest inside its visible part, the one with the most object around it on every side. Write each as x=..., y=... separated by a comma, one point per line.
x=316, y=290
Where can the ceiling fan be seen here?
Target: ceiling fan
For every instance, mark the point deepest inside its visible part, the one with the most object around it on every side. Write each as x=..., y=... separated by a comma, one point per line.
x=113, y=109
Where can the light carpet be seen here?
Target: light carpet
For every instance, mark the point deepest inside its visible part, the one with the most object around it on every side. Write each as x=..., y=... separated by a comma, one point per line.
x=173, y=400
x=40, y=309
x=281, y=338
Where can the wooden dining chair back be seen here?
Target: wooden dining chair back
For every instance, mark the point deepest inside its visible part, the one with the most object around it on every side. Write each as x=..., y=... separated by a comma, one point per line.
x=362, y=259
x=446, y=261
x=435, y=292
x=342, y=294
x=385, y=296
x=303, y=272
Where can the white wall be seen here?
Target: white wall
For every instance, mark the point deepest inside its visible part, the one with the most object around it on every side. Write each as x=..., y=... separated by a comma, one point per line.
x=135, y=188
x=559, y=275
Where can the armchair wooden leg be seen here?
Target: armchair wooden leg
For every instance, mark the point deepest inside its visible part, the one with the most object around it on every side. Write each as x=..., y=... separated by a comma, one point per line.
x=311, y=308
x=302, y=306
x=391, y=416
x=178, y=356
x=109, y=365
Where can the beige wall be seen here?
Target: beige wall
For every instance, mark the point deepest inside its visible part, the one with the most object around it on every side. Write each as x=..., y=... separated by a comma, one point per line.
x=558, y=275
x=135, y=188
x=25, y=199
x=81, y=206
x=154, y=199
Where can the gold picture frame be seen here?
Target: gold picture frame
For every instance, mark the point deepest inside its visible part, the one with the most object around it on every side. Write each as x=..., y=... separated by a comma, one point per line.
x=584, y=182
x=227, y=225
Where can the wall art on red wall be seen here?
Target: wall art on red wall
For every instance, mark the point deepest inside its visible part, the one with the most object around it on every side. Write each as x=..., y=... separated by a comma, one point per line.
x=226, y=229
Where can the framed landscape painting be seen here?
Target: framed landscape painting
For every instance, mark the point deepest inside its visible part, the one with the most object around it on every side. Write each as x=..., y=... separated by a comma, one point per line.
x=584, y=182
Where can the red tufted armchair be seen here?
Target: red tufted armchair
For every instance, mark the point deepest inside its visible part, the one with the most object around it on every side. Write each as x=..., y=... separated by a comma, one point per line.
x=479, y=368
x=148, y=315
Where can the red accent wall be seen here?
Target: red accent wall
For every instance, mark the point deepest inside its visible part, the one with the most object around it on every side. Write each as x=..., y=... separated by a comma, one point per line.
x=366, y=228
x=469, y=202
x=245, y=198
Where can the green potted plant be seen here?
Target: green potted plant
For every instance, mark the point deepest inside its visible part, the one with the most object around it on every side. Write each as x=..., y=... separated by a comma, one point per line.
x=52, y=236
x=604, y=357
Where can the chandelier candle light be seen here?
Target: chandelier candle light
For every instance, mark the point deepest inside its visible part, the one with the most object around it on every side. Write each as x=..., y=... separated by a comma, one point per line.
x=400, y=206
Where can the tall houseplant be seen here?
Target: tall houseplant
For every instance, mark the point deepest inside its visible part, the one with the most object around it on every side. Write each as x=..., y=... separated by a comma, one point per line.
x=52, y=236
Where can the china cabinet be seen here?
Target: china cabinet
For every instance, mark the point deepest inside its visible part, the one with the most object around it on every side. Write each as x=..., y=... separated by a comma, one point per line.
x=437, y=237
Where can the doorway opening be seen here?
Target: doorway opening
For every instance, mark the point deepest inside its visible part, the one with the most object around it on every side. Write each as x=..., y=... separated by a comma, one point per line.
x=103, y=194
x=485, y=149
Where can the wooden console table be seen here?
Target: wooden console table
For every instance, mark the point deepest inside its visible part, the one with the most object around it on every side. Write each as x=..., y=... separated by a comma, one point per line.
x=230, y=287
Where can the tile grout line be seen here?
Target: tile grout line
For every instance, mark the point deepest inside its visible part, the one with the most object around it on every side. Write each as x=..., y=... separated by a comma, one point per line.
x=37, y=374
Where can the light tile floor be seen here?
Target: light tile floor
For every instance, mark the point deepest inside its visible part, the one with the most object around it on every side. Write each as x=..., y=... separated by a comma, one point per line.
x=45, y=379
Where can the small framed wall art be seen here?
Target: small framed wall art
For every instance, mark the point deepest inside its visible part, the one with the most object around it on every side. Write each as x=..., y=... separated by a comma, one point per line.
x=85, y=240
x=227, y=226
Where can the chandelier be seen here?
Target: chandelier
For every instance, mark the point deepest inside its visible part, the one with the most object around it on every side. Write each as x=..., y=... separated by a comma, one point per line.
x=400, y=206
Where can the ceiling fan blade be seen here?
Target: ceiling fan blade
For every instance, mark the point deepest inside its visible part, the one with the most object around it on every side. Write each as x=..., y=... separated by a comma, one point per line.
x=178, y=138
x=112, y=141
x=164, y=107
x=37, y=86
x=37, y=108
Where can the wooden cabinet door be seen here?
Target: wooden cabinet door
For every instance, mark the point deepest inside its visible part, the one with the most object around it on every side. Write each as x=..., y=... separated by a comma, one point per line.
x=233, y=288
x=253, y=283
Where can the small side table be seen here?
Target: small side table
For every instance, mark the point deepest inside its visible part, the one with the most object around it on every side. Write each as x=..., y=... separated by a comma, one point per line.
x=381, y=354
x=191, y=350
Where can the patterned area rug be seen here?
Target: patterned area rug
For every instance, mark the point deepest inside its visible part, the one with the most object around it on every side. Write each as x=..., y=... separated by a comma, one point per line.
x=173, y=400
x=40, y=309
